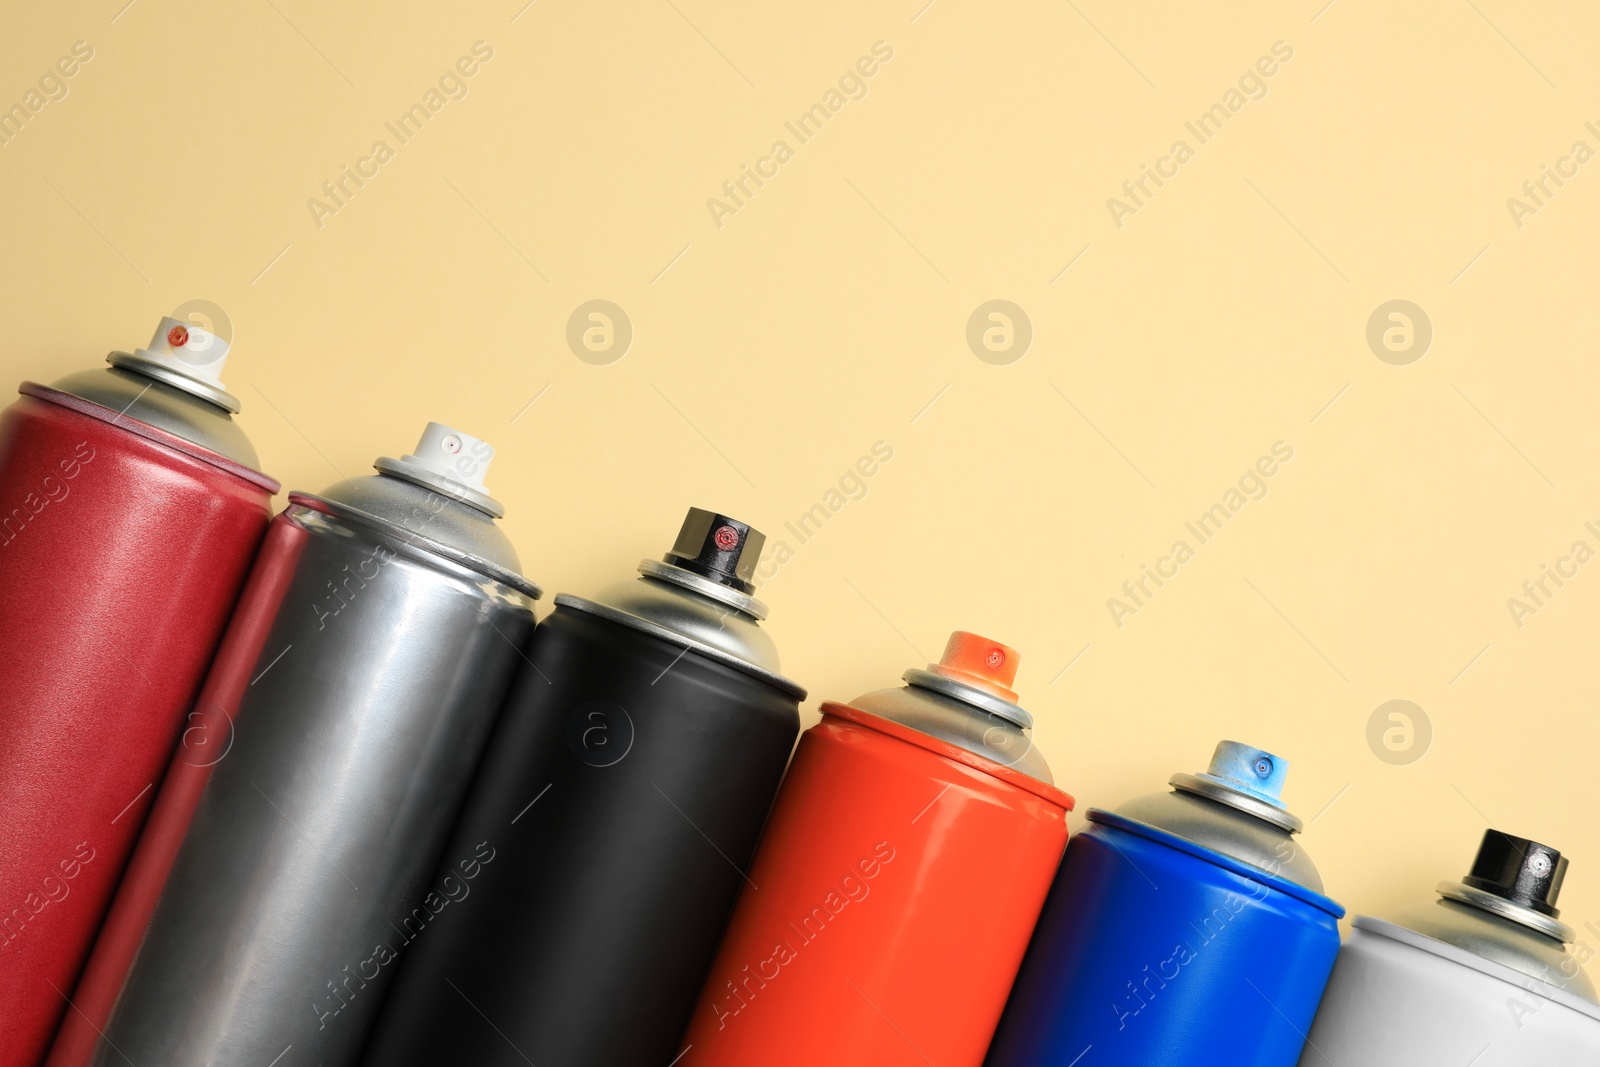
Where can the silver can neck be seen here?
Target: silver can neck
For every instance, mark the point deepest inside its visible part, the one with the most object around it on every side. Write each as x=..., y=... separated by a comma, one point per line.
x=966, y=700
x=173, y=385
x=941, y=713
x=416, y=474
x=1234, y=807
x=133, y=396
x=1223, y=792
x=723, y=594
x=185, y=356
x=1504, y=910
x=1536, y=948
x=1547, y=925
x=149, y=368
x=968, y=694
x=1246, y=779
x=433, y=497
x=450, y=463
x=694, y=613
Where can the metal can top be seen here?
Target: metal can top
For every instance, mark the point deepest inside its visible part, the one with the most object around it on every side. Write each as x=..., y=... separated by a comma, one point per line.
x=966, y=699
x=448, y=462
x=173, y=385
x=186, y=357
x=416, y=502
x=698, y=597
x=1236, y=808
x=1504, y=910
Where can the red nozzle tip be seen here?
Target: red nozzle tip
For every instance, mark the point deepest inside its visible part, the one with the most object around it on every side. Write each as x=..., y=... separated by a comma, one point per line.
x=177, y=337
x=981, y=663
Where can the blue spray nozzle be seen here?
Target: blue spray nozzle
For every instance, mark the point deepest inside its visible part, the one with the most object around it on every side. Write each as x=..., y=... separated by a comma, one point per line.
x=1250, y=770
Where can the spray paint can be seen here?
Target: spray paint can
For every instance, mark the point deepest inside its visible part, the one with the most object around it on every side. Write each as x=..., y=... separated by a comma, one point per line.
x=898, y=882
x=625, y=790
x=1184, y=930
x=1481, y=975
x=130, y=508
x=293, y=850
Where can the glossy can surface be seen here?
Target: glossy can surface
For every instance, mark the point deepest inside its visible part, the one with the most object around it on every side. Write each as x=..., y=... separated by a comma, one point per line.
x=293, y=851
x=889, y=906
x=122, y=551
x=625, y=789
x=1159, y=952
x=1399, y=999
x=1481, y=975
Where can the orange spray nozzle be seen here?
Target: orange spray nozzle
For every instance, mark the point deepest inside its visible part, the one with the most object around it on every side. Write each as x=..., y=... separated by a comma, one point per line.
x=980, y=663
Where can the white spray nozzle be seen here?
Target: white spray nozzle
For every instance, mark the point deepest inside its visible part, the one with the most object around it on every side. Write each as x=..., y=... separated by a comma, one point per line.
x=189, y=350
x=453, y=454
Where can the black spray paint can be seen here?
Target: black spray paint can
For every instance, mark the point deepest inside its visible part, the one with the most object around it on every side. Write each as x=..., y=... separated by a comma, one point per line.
x=625, y=790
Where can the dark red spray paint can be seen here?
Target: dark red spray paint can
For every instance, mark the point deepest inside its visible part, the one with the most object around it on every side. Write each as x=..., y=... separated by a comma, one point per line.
x=130, y=510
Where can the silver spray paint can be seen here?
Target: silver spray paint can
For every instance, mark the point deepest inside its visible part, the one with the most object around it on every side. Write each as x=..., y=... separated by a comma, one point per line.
x=1481, y=976
x=296, y=848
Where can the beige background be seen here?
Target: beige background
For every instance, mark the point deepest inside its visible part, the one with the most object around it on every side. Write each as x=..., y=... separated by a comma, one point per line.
x=830, y=312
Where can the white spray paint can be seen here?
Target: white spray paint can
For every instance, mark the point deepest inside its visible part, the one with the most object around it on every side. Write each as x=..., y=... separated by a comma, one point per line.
x=1481, y=976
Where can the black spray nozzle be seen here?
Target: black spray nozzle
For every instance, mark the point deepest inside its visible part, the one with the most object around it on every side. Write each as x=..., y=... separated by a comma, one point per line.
x=717, y=547
x=1521, y=871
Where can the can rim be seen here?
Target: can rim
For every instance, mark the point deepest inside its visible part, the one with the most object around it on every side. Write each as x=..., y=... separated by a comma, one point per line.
x=969, y=694
x=1443, y=949
x=1506, y=909
x=1213, y=788
x=419, y=475
x=211, y=394
x=487, y=568
x=724, y=594
x=624, y=618
x=995, y=769
x=1111, y=819
x=151, y=433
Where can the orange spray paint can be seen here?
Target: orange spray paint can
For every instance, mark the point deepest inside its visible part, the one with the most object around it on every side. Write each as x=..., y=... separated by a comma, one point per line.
x=898, y=883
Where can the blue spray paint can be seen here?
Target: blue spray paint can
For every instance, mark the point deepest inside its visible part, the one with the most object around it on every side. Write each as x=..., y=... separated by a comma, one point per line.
x=1186, y=929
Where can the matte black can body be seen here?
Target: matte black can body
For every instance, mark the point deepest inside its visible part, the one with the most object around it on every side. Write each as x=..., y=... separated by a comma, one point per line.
x=625, y=788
